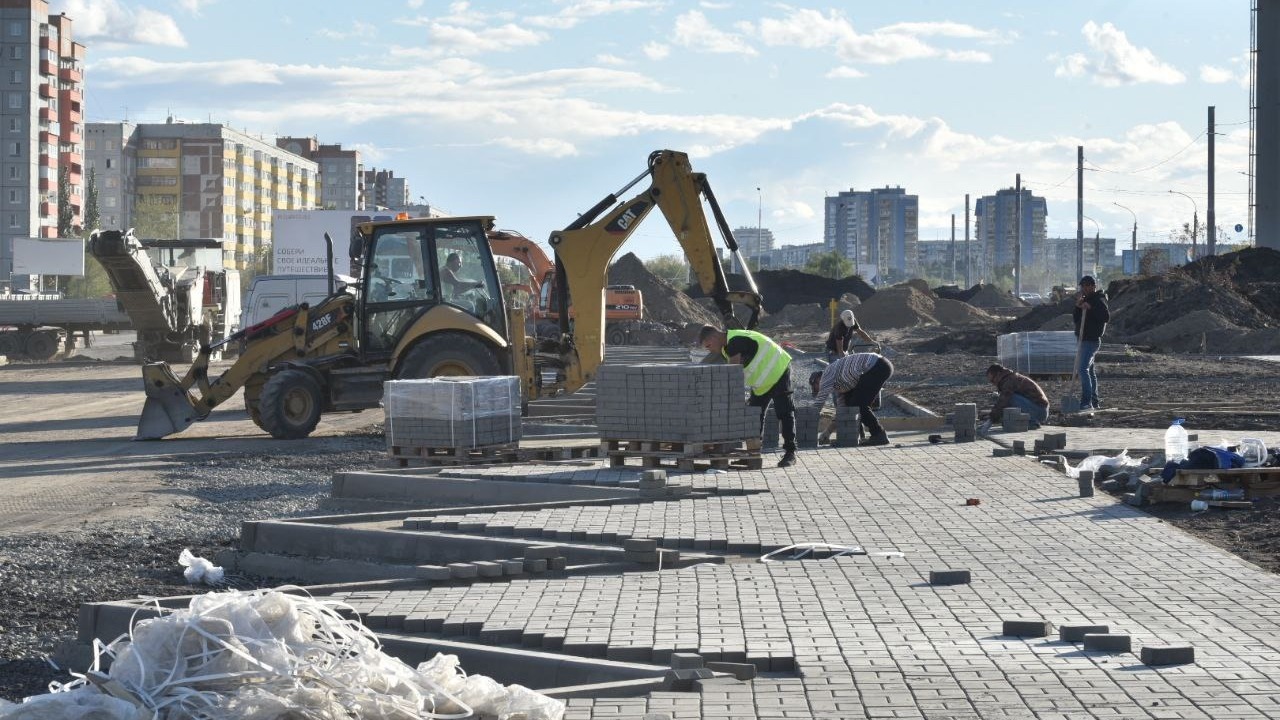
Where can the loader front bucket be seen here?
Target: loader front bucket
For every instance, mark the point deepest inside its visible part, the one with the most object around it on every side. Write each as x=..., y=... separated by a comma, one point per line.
x=169, y=408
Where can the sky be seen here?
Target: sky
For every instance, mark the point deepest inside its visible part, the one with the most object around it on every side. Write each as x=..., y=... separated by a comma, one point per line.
x=533, y=111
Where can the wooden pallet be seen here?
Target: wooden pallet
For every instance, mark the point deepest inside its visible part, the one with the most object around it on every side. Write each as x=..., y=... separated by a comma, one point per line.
x=411, y=455
x=684, y=456
x=1187, y=485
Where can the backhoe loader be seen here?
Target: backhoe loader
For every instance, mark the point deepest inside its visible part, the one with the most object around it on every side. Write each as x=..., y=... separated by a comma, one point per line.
x=427, y=302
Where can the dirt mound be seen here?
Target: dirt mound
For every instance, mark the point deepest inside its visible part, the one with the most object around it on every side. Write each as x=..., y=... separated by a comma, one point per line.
x=1142, y=304
x=1040, y=315
x=974, y=342
x=1245, y=267
x=810, y=316
x=989, y=296
x=920, y=285
x=1062, y=322
x=950, y=292
x=896, y=307
x=955, y=312
x=793, y=287
x=663, y=303
x=1185, y=333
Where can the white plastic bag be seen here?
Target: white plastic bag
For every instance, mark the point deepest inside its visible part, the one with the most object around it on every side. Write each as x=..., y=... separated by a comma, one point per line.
x=525, y=704
x=81, y=704
x=1095, y=462
x=199, y=570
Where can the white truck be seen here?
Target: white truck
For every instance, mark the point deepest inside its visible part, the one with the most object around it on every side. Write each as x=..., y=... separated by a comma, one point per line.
x=269, y=294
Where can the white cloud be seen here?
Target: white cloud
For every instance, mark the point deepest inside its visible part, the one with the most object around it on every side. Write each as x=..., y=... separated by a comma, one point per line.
x=656, y=51
x=607, y=59
x=944, y=28
x=862, y=117
x=811, y=29
x=112, y=23
x=1115, y=61
x=548, y=147
x=122, y=71
x=414, y=4
x=194, y=6
x=695, y=32
x=1215, y=75
x=844, y=72
x=708, y=4
x=575, y=11
x=358, y=29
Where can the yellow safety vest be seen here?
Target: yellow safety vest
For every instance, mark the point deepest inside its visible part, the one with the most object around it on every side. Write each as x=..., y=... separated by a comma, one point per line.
x=768, y=365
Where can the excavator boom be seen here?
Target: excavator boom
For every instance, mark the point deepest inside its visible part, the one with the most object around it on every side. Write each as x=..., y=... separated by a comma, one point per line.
x=586, y=247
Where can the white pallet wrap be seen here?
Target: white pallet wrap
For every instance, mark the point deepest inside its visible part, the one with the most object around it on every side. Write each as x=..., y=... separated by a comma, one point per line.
x=1040, y=352
x=452, y=412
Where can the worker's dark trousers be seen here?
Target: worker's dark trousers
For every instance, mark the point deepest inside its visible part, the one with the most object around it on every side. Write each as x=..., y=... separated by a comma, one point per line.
x=865, y=391
x=780, y=396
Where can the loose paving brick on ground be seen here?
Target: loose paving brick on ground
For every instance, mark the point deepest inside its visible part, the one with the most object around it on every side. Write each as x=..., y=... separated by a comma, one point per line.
x=867, y=636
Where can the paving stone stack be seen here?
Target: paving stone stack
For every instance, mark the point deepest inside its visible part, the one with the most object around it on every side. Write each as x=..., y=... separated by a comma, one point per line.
x=674, y=403
x=1015, y=420
x=966, y=422
x=848, y=426
x=453, y=412
x=807, y=421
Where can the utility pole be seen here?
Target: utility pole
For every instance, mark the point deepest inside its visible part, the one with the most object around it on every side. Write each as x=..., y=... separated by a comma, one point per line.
x=967, y=259
x=1017, y=235
x=953, y=248
x=1079, y=212
x=1211, y=233
x=1134, y=244
x=759, y=224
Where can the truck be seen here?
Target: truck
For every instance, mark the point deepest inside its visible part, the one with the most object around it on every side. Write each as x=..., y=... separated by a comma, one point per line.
x=269, y=294
x=178, y=295
x=427, y=303
x=45, y=327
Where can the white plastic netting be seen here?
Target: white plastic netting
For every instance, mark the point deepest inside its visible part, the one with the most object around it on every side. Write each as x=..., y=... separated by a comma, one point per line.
x=269, y=655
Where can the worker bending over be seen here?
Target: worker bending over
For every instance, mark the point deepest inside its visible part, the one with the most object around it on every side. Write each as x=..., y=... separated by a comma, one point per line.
x=767, y=372
x=1019, y=392
x=841, y=335
x=855, y=380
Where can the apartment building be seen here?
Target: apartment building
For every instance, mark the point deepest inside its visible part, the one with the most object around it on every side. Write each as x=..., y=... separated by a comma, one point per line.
x=996, y=232
x=753, y=243
x=342, y=177
x=877, y=229
x=789, y=256
x=177, y=179
x=41, y=119
x=382, y=189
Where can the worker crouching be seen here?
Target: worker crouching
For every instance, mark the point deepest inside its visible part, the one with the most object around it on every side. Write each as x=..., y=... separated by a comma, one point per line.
x=855, y=381
x=766, y=369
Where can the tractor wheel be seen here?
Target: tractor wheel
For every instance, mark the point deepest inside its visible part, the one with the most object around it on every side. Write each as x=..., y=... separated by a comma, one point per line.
x=449, y=354
x=616, y=336
x=290, y=404
x=252, y=396
x=42, y=346
x=11, y=344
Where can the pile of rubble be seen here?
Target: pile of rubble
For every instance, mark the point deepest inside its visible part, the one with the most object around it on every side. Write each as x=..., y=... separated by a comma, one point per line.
x=663, y=302
x=911, y=304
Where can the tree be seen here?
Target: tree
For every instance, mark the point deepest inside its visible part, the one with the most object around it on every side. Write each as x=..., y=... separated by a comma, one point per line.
x=91, y=216
x=671, y=268
x=66, y=213
x=830, y=265
x=155, y=217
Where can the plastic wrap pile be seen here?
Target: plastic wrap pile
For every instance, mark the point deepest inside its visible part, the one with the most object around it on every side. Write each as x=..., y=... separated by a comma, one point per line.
x=268, y=655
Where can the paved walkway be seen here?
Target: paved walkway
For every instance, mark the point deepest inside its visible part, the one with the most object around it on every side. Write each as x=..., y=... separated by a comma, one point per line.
x=867, y=636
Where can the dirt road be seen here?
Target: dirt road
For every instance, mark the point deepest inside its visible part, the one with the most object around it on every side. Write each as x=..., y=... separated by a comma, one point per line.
x=68, y=458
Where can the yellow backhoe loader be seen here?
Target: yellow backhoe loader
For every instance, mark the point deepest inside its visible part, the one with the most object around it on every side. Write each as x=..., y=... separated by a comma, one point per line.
x=428, y=303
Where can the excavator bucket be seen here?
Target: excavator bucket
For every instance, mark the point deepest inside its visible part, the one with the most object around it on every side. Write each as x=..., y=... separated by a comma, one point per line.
x=169, y=408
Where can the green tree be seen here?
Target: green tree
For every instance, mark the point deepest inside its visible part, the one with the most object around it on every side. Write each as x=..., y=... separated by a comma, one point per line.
x=94, y=283
x=829, y=264
x=671, y=268
x=66, y=213
x=155, y=217
x=91, y=216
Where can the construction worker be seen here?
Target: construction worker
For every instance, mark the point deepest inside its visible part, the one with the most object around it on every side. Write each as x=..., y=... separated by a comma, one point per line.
x=855, y=380
x=841, y=335
x=1019, y=392
x=1090, y=316
x=767, y=370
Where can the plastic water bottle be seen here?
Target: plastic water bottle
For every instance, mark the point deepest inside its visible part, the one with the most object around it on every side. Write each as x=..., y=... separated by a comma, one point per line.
x=1222, y=494
x=1175, y=442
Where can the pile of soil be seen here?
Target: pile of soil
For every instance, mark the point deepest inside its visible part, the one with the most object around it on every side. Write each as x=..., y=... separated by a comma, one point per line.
x=811, y=316
x=989, y=296
x=955, y=312
x=1042, y=315
x=793, y=287
x=897, y=307
x=663, y=302
x=972, y=341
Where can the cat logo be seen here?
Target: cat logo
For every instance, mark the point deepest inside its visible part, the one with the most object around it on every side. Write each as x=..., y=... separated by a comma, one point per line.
x=622, y=224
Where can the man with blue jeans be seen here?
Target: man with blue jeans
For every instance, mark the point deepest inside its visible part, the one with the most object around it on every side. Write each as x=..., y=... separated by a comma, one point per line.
x=1019, y=392
x=1090, y=316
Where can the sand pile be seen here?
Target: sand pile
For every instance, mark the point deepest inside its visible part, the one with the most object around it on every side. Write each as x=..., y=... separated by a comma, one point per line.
x=793, y=287
x=663, y=303
x=896, y=307
x=989, y=296
x=955, y=312
x=1185, y=334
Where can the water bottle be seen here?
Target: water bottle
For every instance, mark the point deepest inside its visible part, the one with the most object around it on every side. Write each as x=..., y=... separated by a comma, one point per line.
x=1175, y=442
x=1222, y=494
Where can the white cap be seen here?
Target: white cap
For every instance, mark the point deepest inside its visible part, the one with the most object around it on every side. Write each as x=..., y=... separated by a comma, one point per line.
x=847, y=318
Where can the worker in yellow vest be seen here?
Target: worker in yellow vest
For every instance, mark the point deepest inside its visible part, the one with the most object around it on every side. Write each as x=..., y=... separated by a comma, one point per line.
x=767, y=372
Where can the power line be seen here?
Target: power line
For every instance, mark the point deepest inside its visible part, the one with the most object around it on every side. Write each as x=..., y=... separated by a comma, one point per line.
x=1099, y=168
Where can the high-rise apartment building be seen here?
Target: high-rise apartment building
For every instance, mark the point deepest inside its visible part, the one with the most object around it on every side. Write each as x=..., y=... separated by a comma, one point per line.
x=877, y=229
x=41, y=70
x=753, y=243
x=197, y=180
x=996, y=232
x=341, y=172
x=382, y=189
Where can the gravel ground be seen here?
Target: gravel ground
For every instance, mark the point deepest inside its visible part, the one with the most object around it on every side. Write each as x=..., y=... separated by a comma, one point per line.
x=44, y=577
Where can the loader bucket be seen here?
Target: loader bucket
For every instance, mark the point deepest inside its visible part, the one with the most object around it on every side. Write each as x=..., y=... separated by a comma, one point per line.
x=169, y=408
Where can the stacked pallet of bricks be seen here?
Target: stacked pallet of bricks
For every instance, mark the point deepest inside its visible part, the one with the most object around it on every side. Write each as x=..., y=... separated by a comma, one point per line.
x=965, y=420
x=674, y=410
x=1014, y=420
x=1040, y=352
x=452, y=418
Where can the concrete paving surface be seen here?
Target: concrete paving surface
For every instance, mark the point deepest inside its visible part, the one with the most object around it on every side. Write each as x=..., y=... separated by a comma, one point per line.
x=868, y=635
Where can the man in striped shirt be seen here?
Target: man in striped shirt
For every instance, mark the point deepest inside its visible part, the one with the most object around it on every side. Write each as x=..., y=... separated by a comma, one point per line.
x=855, y=381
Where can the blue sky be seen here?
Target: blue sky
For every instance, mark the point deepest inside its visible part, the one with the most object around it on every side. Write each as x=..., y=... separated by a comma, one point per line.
x=533, y=111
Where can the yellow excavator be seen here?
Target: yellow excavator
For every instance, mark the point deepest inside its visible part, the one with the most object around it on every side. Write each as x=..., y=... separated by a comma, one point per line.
x=428, y=302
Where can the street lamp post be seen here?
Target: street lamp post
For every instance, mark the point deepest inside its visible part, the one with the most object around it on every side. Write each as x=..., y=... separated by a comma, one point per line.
x=1195, y=221
x=1134, y=242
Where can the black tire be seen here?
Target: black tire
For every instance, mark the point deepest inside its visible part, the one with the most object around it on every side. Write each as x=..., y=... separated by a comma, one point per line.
x=42, y=346
x=290, y=404
x=11, y=344
x=615, y=336
x=449, y=354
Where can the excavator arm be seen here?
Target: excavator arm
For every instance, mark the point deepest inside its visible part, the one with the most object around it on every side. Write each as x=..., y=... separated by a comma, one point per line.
x=584, y=250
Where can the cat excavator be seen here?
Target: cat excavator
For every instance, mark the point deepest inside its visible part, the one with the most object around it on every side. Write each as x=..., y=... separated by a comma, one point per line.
x=427, y=302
